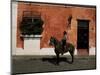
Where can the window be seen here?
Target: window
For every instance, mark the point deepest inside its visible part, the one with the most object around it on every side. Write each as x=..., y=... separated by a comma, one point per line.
x=31, y=25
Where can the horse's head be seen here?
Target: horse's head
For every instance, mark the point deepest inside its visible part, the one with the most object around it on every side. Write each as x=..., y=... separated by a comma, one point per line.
x=52, y=41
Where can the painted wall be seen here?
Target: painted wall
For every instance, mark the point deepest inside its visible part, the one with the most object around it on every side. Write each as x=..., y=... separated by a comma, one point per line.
x=55, y=19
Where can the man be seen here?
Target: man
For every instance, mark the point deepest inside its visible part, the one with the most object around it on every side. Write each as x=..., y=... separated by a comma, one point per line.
x=64, y=40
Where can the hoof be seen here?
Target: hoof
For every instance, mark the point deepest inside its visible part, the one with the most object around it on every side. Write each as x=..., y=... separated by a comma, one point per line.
x=61, y=53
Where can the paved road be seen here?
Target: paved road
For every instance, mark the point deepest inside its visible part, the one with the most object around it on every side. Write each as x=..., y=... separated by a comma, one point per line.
x=33, y=64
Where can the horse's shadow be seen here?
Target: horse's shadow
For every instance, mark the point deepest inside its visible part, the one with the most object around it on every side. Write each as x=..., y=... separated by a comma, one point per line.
x=54, y=59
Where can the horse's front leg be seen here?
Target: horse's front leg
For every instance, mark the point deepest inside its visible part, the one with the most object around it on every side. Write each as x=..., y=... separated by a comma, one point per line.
x=57, y=59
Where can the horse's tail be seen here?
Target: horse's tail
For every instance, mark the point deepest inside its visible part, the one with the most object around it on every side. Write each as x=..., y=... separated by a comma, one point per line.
x=71, y=47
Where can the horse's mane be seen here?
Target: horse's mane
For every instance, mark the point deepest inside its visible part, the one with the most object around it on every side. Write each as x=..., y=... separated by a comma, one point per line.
x=57, y=41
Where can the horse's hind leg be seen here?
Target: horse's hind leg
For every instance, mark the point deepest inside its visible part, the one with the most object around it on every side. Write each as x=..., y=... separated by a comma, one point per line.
x=72, y=55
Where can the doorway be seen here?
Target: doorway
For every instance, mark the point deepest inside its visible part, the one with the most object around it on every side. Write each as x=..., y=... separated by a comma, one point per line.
x=83, y=37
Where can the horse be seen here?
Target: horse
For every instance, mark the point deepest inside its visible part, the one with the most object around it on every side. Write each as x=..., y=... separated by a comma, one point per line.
x=58, y=48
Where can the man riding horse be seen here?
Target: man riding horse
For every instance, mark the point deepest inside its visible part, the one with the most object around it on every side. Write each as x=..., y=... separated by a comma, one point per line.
x=58, y=48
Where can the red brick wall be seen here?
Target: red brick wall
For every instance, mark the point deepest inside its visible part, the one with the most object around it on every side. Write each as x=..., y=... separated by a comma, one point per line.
x=86, y=14
x=55, y=22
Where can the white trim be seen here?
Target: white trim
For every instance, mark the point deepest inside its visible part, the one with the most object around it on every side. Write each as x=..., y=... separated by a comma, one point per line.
x=32, y=44
x=31, y=36
x=92, y=51
x=14, y=26
x=43, y=51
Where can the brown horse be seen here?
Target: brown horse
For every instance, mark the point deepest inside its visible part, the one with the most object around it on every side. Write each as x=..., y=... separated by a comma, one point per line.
x=58, y=48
